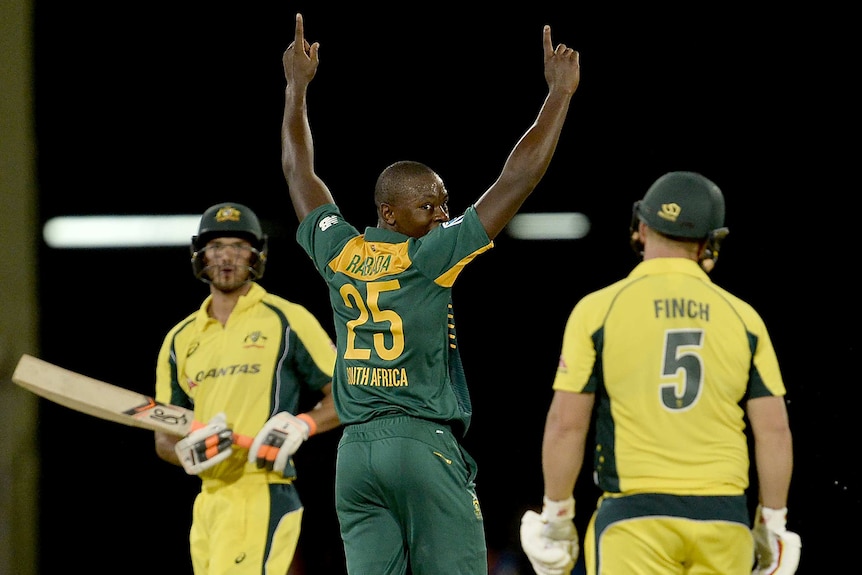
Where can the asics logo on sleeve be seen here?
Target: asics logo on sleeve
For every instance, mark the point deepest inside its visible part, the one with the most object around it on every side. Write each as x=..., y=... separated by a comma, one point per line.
x=327, y=223
x=454, y=222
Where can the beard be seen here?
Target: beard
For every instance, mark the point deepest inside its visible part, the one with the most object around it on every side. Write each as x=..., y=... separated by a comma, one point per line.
x=228, y=278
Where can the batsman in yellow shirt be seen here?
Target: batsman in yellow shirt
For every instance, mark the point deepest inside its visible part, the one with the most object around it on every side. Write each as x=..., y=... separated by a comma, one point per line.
x=668, y=365
x=241, y=362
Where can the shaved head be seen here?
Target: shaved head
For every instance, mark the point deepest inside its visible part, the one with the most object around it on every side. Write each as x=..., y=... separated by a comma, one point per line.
x=403, y=180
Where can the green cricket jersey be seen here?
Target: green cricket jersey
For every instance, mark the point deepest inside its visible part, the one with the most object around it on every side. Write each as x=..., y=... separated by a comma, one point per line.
x=391, y=301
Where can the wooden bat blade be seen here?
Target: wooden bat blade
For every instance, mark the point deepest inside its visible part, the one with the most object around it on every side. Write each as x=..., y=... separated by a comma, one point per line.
x=100, y=399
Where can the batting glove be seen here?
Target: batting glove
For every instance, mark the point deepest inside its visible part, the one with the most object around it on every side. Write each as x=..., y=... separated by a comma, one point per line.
x=550, y=540
x=279, y=438
x=205, y=447
x=776, y=550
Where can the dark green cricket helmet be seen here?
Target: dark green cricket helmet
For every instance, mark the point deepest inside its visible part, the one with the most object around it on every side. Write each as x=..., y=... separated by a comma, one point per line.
x=683, y=205
x=229, y=219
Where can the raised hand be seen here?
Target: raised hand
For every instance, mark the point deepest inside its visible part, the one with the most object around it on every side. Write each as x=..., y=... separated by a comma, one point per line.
x=300, y=59
x=562, y=65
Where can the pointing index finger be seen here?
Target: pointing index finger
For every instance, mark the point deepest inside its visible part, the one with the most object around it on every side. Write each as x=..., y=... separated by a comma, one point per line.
x=299, y=38
x=548, y=47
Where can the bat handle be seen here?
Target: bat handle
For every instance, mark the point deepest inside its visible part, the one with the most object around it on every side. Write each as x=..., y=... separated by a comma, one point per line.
x=242, y=440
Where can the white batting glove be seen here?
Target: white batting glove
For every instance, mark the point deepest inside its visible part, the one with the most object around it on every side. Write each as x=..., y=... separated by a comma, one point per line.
x=550, y=540
x=277, y=440
x=776, y=550
x=205, y=447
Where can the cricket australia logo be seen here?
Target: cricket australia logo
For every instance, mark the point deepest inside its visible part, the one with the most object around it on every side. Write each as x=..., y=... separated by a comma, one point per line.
x=670, y=212
x=254, y=339
x=228, y=214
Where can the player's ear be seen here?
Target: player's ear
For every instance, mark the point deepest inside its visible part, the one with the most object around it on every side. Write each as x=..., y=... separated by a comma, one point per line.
x=636, y=238
x=387, y=214
x=703, y=258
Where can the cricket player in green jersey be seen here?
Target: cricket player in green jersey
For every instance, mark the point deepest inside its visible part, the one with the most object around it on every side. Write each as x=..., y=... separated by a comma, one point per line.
x=405, y=490
x=669, y=364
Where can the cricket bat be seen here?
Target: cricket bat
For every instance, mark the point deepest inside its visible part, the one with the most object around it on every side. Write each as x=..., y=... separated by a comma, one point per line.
x=105, y=401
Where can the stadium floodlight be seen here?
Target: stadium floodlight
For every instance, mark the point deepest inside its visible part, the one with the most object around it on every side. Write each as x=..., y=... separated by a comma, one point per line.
x=549, y=226
x=88, y=232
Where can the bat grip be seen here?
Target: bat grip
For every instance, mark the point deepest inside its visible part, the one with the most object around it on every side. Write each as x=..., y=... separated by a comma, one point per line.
x=242, y=440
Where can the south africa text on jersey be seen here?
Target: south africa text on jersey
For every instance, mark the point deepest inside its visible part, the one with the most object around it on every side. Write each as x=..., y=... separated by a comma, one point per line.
x=377, y=376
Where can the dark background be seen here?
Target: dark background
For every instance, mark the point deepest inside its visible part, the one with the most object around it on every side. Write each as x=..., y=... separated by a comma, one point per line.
x=168, y=108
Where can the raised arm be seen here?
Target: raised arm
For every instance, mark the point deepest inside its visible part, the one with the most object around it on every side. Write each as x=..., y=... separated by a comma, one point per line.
x=529, y=159
x=307, y=190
